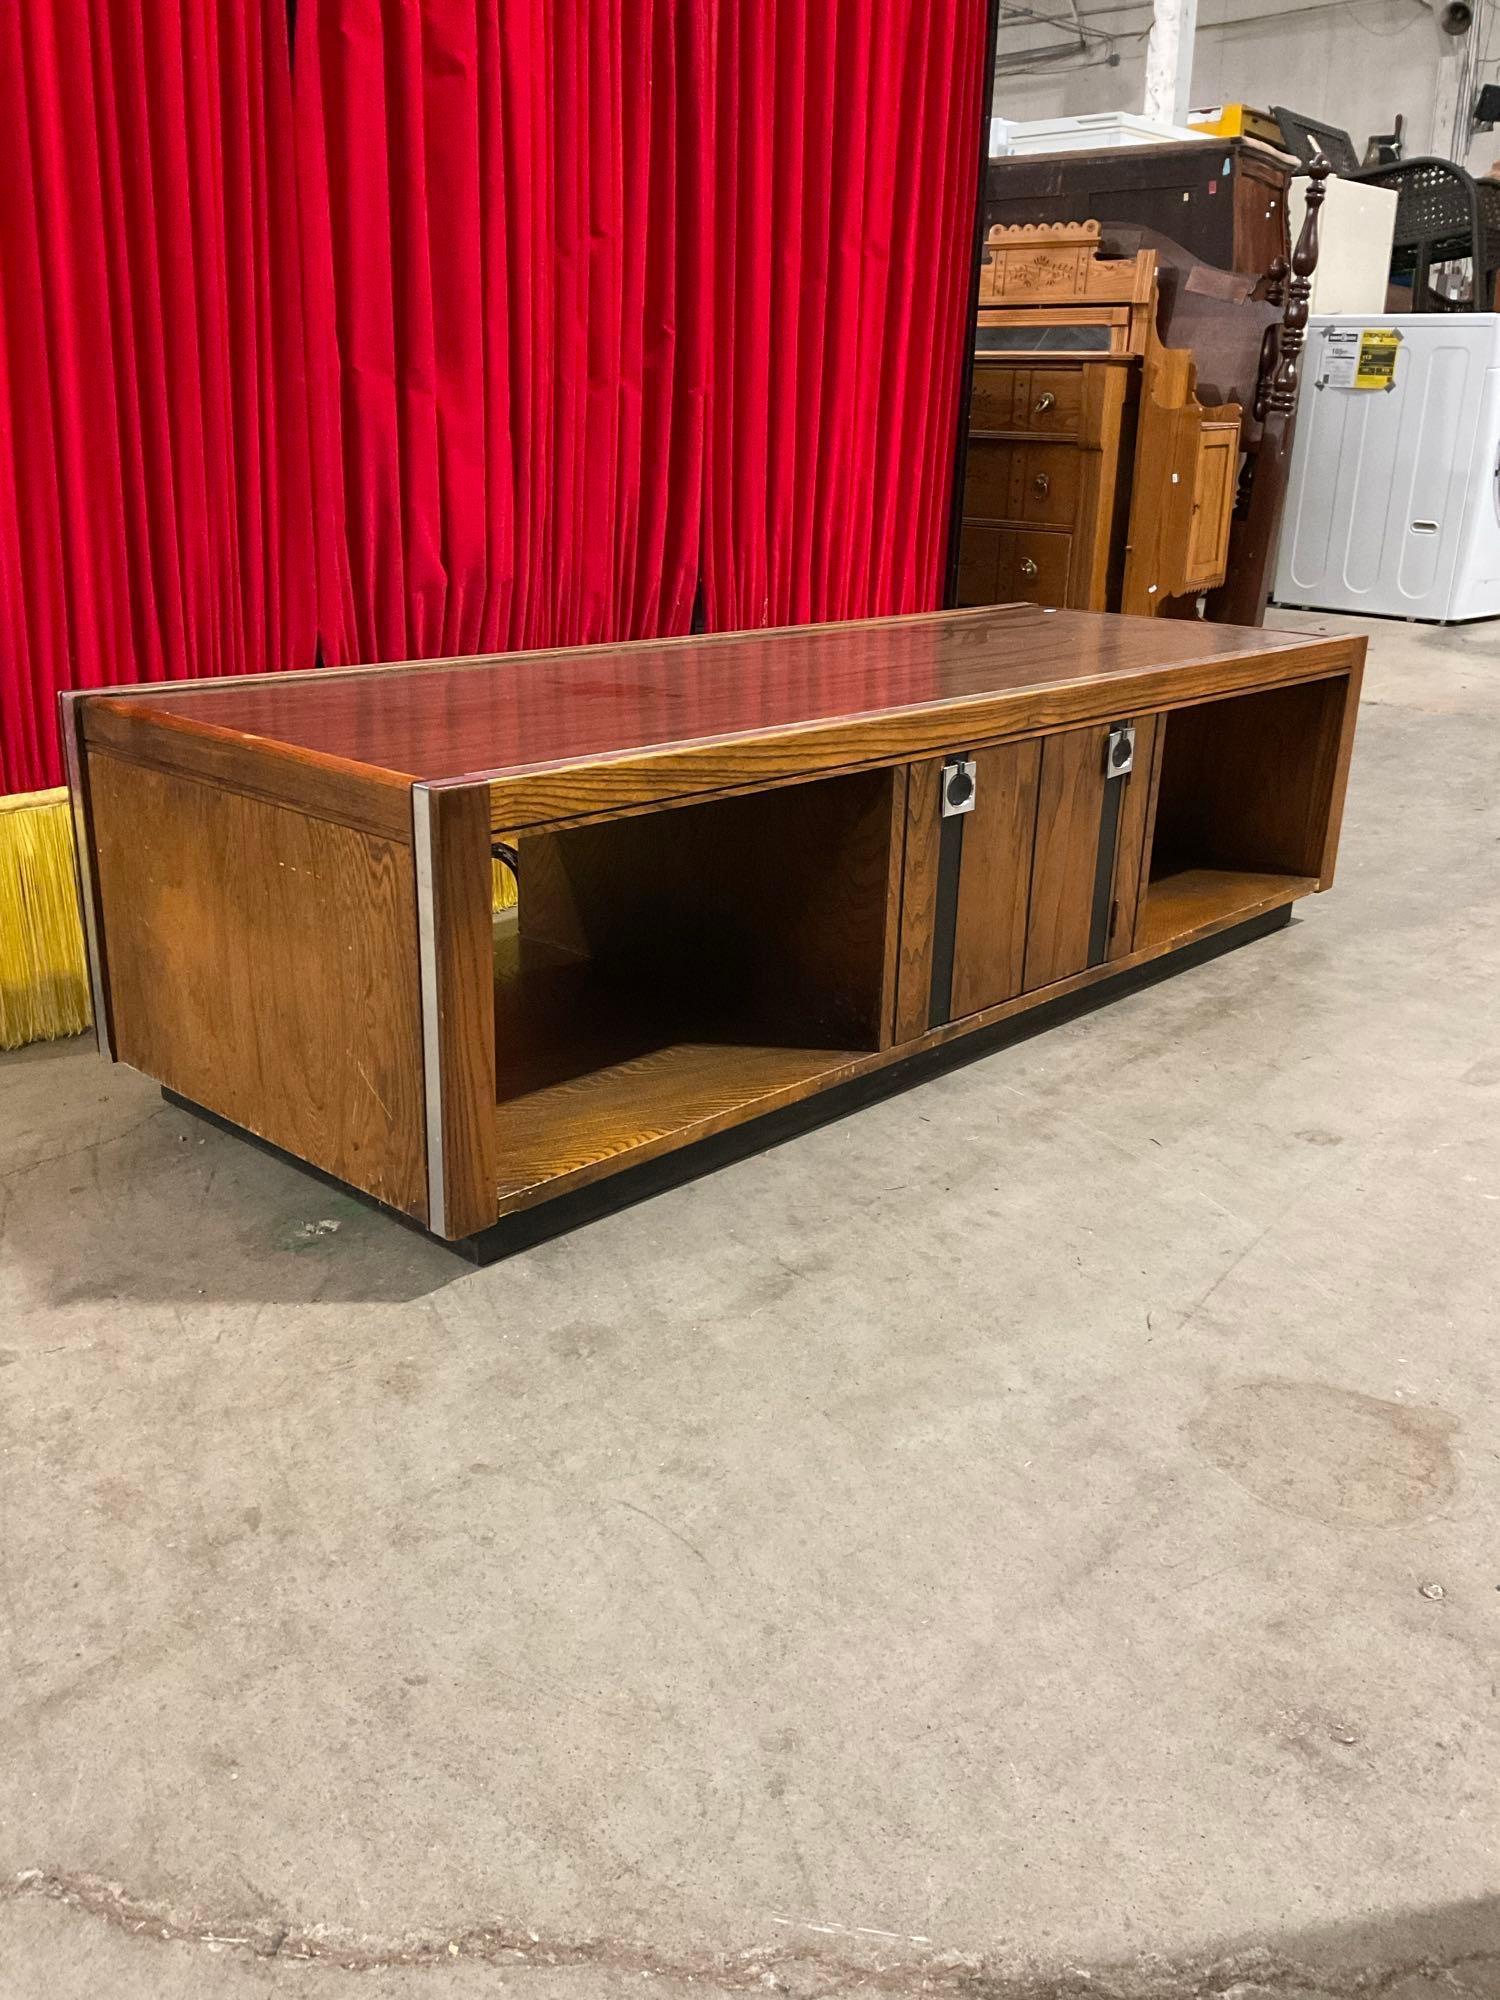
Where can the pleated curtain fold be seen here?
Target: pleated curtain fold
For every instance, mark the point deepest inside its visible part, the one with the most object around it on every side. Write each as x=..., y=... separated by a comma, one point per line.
x=156, y=494
x=468, y=325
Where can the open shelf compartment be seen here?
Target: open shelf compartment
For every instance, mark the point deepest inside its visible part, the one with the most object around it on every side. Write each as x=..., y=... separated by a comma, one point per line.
x=660, y=974
x=1242, y=810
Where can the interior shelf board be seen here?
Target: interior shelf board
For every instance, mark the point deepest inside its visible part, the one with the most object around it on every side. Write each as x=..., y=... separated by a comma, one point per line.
x=647, y=1105
x=1178, y=904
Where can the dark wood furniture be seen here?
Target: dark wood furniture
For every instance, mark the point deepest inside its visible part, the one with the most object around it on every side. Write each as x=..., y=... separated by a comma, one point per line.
x=1255, y=530
x=740, y=880
x=1222, y=199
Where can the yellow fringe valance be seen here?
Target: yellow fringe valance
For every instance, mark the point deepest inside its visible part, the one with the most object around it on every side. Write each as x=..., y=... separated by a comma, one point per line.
x=43, y=977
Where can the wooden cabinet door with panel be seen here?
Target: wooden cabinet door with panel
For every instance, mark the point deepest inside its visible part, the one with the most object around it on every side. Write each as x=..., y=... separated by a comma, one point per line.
x=1215, y=476
x=1093, y=791
x=970, y=823
x=1023, y=867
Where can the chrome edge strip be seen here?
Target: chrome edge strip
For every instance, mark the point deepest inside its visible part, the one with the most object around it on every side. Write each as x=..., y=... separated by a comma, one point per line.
x=432, y=1052
x=70, y=717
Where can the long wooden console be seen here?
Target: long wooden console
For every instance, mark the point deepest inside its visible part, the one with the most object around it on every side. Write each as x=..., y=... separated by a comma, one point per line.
x=752, y=869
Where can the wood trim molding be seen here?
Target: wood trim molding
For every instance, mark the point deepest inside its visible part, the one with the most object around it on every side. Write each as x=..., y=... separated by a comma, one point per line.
x=451, y=857
x=324, y=787
x=752, y=762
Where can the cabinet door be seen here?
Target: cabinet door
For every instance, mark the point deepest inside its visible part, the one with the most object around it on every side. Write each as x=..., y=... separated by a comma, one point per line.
x=1090, y=830
x=1036, y=880
x=1070, y=805
x=989, y=931
x=1215, y=475
x=965, y=887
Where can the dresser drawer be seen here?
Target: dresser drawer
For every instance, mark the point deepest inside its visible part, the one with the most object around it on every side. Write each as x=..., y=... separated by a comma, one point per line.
x=1041, y=483
x=1012, y=565
x=1034, y=565
x=995, y=480
x=1051, y=484
x=1049, y=401
x=992, y=405
x=979, y=565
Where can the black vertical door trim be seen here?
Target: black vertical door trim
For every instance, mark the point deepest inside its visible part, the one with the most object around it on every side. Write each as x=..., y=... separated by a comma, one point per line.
x=971, y=321
x=945, y=915
x=1104, y=861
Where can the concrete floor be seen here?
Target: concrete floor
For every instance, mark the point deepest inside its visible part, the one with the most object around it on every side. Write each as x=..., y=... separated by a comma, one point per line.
x=1039, y=1534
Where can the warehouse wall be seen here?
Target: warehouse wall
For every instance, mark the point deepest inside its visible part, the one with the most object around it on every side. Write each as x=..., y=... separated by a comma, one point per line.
x=1354, y=63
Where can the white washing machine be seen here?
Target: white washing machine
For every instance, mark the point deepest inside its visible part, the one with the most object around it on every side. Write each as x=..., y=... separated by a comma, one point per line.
x=1394, y=503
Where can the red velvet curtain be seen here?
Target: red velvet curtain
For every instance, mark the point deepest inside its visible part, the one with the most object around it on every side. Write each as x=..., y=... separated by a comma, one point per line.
x=155, y=477
x=468, y=325
x=847, y=157
x=505, y=209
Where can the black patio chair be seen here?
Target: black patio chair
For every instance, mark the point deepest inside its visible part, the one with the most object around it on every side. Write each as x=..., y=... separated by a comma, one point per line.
x=1443, y=215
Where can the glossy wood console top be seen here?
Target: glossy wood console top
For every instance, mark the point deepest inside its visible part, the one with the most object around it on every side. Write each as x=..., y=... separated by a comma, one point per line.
x=504, y=717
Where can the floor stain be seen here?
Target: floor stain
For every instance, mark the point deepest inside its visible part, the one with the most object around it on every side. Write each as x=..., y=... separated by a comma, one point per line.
x=1328, y=1454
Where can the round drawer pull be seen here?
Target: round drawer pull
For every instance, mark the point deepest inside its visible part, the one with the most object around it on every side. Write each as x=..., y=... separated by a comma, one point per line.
x=1028, y=567
x=1045, y=402
x=1042, y=484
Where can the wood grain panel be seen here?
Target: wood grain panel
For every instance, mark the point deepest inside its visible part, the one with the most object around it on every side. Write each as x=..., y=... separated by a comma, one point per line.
x=636, y=1110
x=263, y=963
x=994, y=882
x=1069, y=798
x=992, y=404
x=1040, y=561
x=316, y=782
x=1099, y=528
x=1215, y=476
x=569, y=1137
x=1051, y=402
x=1051, y=480
x=1342, y=750
x=456, y=847
x=1131, y=917
x=994, y=480
x=979, y=554
x=1251, y=783
x=1179, y=907
x=918, y=901
x=1130, y=836
x=768, y=918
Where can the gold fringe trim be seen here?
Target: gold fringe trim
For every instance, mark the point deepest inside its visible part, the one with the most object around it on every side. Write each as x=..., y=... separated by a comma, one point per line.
x=503, y=884
x=44, y=988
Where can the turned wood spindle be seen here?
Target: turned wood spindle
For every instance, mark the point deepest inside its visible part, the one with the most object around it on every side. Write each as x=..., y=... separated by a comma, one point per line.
x=1274, y=285
x=1283, y=396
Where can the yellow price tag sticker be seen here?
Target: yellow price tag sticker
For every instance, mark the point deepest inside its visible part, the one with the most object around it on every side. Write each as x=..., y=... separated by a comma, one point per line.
x=1376, y=366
